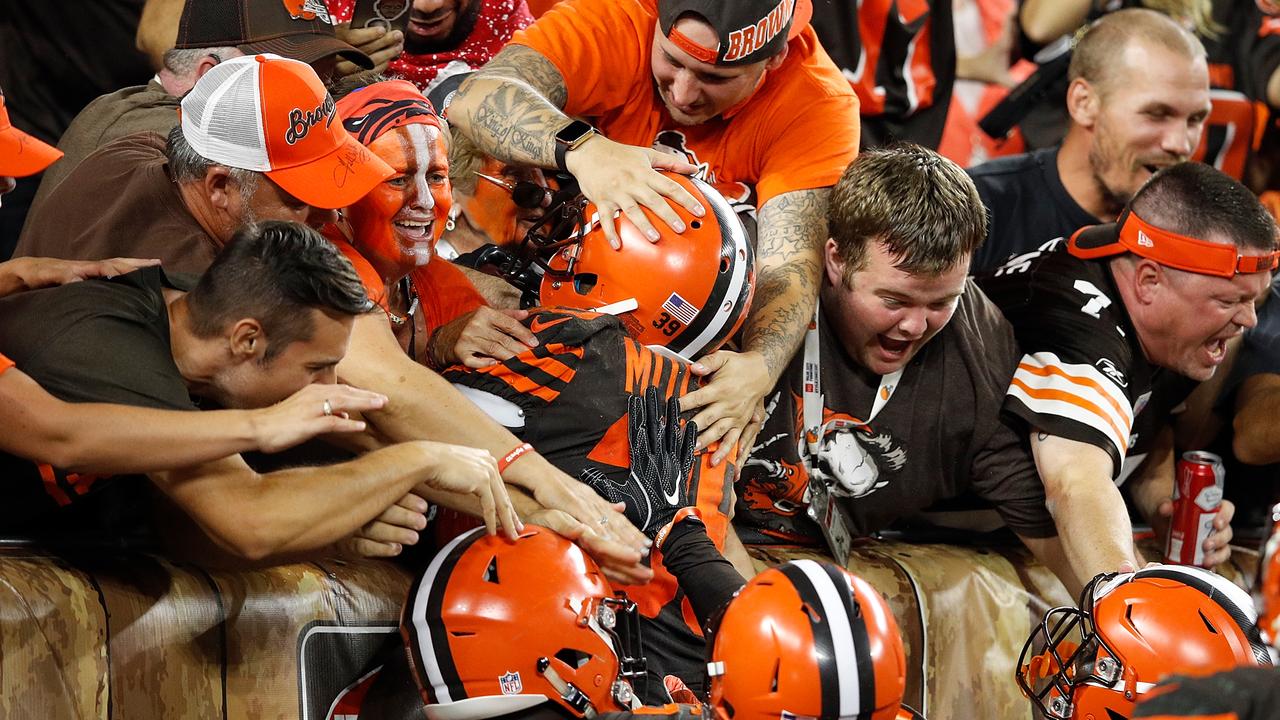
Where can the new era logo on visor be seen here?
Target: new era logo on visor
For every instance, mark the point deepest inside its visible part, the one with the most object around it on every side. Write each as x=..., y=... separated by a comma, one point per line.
x=1144, y=241
x=301, y=121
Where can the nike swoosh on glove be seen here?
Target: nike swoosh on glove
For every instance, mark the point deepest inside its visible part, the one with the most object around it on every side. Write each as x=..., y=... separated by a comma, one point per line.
x=660, y=482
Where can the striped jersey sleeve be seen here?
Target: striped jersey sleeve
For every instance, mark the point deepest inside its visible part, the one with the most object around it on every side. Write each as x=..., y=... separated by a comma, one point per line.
x=1082, y=375
x=1053, y=393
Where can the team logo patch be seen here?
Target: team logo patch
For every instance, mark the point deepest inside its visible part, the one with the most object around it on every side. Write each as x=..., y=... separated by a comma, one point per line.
x=510, y=683
x=1109, y=369
x=307, y=10
x=1144, y=241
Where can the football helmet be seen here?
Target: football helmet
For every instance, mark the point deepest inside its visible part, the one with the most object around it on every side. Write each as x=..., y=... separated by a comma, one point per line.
x=807, y=639
x=688, y=292
x=1267, y=592
x=1130, y=631
x=495, y=626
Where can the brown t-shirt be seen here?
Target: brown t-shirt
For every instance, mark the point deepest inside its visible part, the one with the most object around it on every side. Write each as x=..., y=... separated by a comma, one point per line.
x=119, y=202
x=134, y=109
x=941, y=435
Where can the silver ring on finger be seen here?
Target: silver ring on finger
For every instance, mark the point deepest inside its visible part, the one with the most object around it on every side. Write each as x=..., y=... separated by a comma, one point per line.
x=327, y=408
x=604, y=520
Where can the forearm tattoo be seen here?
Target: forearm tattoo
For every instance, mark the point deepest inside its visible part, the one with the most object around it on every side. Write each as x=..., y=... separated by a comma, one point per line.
x=792, y=229
x=518, y=116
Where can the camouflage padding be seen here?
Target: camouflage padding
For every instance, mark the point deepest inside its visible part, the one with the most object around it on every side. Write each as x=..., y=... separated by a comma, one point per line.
x=139, y=637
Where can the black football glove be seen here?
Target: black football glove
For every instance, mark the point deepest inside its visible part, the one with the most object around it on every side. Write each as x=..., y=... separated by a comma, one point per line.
x=659, y=484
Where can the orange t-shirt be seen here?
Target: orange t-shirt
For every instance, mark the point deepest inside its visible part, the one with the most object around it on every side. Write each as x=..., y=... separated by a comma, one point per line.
x=5, y=363
x=797, y=132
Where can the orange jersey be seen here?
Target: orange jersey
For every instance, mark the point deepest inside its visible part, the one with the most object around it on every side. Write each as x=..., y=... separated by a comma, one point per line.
x=797, y=132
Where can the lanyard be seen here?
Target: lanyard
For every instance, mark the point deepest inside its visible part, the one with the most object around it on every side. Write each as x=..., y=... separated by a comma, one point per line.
x=812, y=401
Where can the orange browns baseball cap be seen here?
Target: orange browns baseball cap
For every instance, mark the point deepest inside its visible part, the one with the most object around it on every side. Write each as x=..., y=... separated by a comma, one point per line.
x=21, y=154
x=273, y=115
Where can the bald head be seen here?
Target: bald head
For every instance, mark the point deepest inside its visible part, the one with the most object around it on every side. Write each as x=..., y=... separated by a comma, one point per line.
x=1103, y=52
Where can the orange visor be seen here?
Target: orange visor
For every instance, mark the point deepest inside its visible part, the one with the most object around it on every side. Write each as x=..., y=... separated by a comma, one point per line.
x=1130, y=233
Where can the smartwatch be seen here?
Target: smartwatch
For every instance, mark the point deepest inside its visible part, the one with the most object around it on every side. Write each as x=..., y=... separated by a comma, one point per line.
x=572, y=136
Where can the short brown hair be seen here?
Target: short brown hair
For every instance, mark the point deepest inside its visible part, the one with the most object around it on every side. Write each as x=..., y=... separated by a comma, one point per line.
x=1097, y=56
x=922, y=206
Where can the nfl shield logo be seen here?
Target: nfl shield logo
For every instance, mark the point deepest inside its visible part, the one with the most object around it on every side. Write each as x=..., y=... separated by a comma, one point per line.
x=510, y=683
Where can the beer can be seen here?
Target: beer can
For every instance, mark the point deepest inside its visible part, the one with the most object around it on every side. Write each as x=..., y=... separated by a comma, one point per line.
x=1197, y=496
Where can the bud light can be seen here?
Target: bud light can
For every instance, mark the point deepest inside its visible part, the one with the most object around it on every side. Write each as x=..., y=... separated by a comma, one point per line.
x=1197, y=495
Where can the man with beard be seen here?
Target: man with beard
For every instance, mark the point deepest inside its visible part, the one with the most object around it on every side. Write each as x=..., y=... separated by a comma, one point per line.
x=1138, y=99
x=754, y=102
x=446, y=32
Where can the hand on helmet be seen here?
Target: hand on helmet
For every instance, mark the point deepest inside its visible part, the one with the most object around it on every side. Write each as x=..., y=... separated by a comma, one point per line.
x=481, y=338
x=729, y=402
x=617, y=177
x=660, y=482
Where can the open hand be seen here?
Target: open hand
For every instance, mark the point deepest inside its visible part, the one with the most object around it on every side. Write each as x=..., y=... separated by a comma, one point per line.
x=728, y=403
x=618, y=177
x=471, y=471
x=316, y=409
x=481, y=338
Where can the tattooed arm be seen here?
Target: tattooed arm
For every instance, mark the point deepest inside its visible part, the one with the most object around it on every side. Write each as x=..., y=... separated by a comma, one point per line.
x=792, y=226
x=510, y=108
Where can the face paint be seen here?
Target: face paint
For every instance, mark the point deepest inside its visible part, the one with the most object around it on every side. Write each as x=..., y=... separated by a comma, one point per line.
x=397, y=224
x=490, y=208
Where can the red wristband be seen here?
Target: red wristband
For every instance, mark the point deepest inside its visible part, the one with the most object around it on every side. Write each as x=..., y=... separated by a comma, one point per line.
x=512, y=456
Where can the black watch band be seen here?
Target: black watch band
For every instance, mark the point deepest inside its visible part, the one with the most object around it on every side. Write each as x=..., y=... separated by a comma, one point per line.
x=573, y=135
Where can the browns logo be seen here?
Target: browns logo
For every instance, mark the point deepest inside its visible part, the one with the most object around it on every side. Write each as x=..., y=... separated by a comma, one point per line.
x=301, y=121
x=308, y=10
x=744, y=41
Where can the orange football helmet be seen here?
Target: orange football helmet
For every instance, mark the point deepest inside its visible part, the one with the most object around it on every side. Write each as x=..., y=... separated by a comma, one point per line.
x=1134, y=629
x=494, y=627
x=807, y=639
x=688, y=292
x=1267, y=593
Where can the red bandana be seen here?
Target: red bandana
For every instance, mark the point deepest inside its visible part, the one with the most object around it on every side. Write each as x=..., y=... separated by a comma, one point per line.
x=497, y=22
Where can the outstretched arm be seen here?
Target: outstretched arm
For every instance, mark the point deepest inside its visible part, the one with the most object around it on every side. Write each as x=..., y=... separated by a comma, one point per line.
x=258, y=517
x=1086, y=505
x=423, y=405
x=792, y=229
x=110, y=439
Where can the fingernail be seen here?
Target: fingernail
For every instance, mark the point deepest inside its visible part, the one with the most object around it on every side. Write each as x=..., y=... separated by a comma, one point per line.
x=700, y=211
x=679, y=226
x=653, y=236
x=699, y=367
x=359, y=425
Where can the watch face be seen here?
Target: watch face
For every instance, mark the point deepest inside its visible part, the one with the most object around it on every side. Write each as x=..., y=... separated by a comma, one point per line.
x=576, y=132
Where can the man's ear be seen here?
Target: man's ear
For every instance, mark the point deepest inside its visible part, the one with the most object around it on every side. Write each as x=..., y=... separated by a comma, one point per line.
x=1149, y=279
x=247, y=340
x=1083, y=103
x=833, y=263
x=220, y=189
x=776, y=61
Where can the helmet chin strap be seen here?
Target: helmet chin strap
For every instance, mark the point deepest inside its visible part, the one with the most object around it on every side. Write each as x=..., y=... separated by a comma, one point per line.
x=577, y=699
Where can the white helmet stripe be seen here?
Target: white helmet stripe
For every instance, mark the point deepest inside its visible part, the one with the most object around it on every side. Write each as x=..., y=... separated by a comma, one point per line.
x=833, y=611
x=727, y=311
